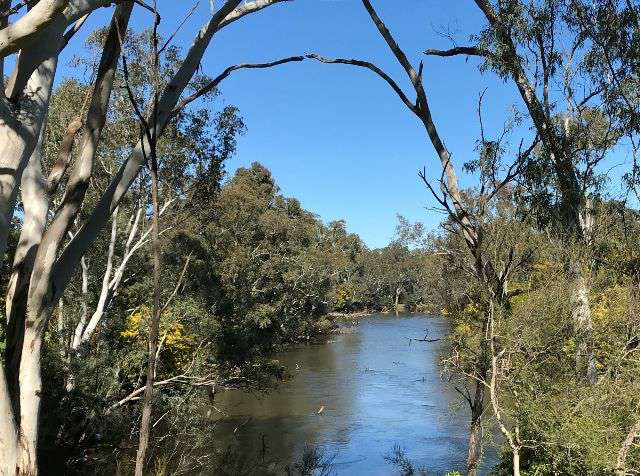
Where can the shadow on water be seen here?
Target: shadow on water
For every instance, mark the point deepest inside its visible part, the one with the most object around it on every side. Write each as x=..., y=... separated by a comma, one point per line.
x=376, y=391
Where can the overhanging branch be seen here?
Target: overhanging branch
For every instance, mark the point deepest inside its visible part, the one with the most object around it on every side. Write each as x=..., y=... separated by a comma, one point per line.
x=213, y=84
x=372, y=67
x=458, y=50
x=16, y=35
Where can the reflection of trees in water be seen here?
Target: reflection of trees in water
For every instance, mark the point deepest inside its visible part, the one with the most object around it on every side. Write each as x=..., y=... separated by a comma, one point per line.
x=277, y=426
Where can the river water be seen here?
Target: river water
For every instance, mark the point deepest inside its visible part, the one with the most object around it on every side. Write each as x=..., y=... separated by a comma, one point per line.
x=378, y=391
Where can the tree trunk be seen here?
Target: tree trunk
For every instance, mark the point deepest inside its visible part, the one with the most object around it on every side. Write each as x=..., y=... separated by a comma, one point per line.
x=154, y=324
x=512, y=437
x=621, y=462
x=20, y=141
x=583, y=325
x=20, y=126
x=8, y=435
x=42, y=294
x=33, y=190
x=30, y=396
x=516, y=462
x=475, y=431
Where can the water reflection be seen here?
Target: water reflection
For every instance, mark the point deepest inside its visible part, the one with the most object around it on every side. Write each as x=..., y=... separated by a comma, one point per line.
x=377, y=390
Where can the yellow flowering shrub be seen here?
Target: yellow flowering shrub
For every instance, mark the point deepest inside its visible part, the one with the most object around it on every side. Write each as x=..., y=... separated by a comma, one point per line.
x=172, y=330
x=177, y=339
x=612, y=302
x=134, y=322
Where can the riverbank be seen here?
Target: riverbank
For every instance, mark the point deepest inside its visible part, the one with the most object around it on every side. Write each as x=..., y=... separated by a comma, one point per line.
x=349, y=315
x=354, y=315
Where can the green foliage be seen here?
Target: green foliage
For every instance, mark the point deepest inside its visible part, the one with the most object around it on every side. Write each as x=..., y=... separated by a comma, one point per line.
x=398, y=459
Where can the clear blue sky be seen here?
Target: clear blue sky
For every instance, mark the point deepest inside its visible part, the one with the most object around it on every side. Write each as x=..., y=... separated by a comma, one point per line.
x=336, y=137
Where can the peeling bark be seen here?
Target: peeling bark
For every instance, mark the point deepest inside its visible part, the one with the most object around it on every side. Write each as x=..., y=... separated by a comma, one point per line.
x=33, y=189
x=583, y=324
x=20, y=127
x=39, y=303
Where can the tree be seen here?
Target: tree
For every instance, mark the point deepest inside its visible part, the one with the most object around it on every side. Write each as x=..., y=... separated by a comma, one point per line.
x=521, y=34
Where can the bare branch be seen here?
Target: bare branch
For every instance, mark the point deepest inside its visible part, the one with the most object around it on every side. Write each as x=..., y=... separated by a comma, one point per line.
x=393, y=45
x=247, y=8
x=178, y=284
x=64, y=154
x=180, y=25
x=218, y=79
x=74, y=29
x=371, y=67
x=458, y=50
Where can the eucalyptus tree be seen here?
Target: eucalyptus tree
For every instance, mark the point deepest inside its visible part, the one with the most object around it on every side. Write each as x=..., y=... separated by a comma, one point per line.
x=532, y=44
x=46, y=260
x=611, y=32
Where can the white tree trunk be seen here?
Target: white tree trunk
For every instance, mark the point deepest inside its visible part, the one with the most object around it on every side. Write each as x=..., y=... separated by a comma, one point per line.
x=82, y=328
x=36, y=204
x=30, y=397
x=19, y=134
x=583, y=323
x=29, y=89
x=8, y=436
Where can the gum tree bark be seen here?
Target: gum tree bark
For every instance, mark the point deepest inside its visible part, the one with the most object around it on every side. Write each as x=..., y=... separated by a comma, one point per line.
x=18, y=34
x=39, y=307
x=23, y=459
x=24, y=103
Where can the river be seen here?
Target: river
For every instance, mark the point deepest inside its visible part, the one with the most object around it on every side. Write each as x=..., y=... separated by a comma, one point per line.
x=377, y=390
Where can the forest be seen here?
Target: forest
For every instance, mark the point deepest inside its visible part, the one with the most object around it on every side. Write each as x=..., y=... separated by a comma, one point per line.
x=146, y=274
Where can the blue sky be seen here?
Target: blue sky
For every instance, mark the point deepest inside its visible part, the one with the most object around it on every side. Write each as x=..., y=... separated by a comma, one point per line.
x=337, y=137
